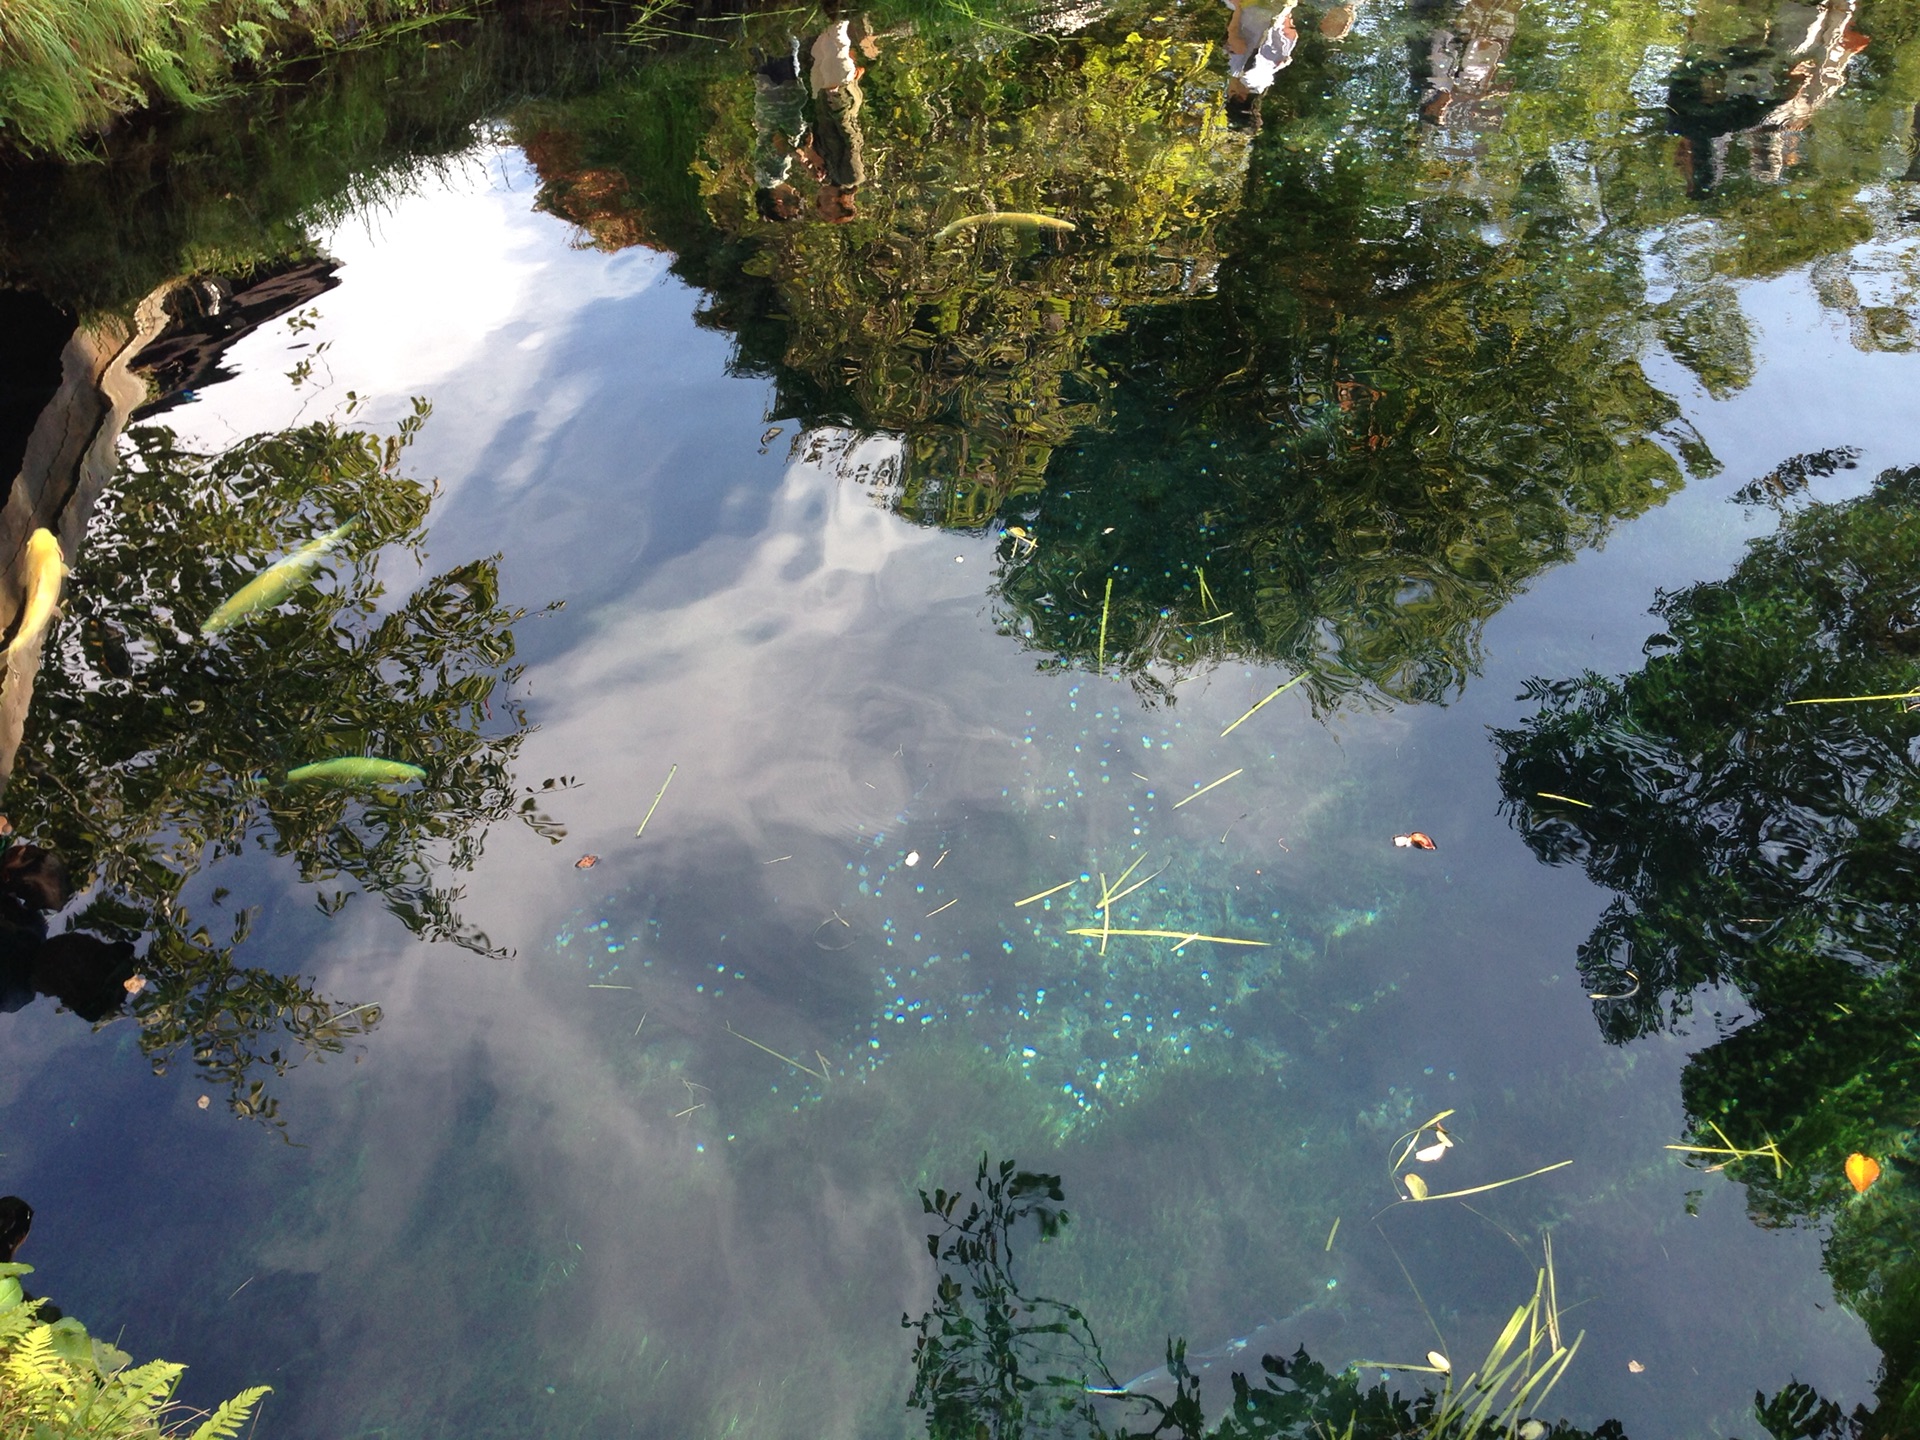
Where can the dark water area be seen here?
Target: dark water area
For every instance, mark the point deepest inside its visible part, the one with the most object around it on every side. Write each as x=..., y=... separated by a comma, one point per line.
x=1022, y=651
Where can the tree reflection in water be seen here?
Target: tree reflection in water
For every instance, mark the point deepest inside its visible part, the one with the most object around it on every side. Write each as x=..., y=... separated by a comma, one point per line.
x=1771, y=848
x=152, y=752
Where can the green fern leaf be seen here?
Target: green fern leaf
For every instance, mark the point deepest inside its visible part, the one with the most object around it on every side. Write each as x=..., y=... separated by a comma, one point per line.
x=225, y=1422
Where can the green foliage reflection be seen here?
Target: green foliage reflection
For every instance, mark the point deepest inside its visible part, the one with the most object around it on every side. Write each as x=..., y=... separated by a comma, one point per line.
x=1771, y=848
x=153, y=752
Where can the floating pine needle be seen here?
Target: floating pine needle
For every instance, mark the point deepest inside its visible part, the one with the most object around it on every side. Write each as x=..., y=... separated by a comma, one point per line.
x=1110, y=901
x=807, y=1069
x=776, y=860
x=690, y=1109
x=1856, y=699
x=586, y=862
x=1278, y=692
x=1632, y=975
x=948, y=906
x=1331, y=1233
x=1184, y=943
x=1564, y=799
x=1204, y=788
x=1862, y=1171
x=1735, y=1153
x=1105, y=604
x=671, y=772
x=943, y=855
x=1026, y=218
x=1409, y=1141
x=1417, y=1188
x=1138, y=776
x=1063, y=885
x=598, y=986
x=1183, y=936
x=1216, y=619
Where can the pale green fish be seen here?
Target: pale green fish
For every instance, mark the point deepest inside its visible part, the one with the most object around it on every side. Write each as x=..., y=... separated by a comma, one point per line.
x=275, y=583
x=1003, y=217
x=356, y=770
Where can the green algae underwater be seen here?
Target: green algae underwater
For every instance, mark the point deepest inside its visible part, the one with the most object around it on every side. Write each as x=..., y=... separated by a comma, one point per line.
x=1331, y=402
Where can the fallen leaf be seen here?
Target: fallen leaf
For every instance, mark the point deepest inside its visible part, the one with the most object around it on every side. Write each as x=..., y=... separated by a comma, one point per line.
x=1432, y=1153
x=1862, y=1171
x=1420, y=840
x=1636, y=1367
x=1533, y=1430
x=1439, y=1361
x=134, y=984
x=6, y=826
x=1416, y=1187
x=586, y=862
x=203, y=1102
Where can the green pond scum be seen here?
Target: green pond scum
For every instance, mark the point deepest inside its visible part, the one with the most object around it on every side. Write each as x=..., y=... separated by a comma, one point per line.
x=749, y=611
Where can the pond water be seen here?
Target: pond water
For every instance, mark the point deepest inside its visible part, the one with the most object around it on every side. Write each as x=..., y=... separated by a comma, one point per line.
x=884, y=573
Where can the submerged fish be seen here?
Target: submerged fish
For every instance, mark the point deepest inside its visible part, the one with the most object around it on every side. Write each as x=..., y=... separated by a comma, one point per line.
x=1003, y=217
x=275, y=583
x=44, y=569
x=356, y=770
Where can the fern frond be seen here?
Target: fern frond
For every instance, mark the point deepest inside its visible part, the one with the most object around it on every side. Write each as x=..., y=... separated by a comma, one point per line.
x=225, y=1422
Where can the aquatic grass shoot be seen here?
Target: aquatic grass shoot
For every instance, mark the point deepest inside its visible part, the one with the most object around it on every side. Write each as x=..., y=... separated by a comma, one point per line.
x=1183, y=936
x=1521, y=1368
x=820, y=1075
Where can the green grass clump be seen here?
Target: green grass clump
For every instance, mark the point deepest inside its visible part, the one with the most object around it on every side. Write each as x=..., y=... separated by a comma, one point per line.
x=69, y=67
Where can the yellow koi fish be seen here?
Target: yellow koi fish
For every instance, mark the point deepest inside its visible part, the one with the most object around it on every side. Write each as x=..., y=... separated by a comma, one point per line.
x=275, y=583
x=1003, y=217
x=45, y=569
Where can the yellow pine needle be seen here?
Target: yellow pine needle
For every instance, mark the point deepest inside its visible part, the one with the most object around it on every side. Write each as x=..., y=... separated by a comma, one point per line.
x=1856, y=699
x=1482, y=1189
x=1566, y=799
x=1101, y=663
x=1204, y=788
x=656, y=800
x=1113, y=900
x=948, y=906
x=1733, y=1152
x=1224, y=615
x=1206, y=596
x=1181, y=935
x=1277, y=693
x=1333, y=1232
x=1186, y=942
x=1106, y=890
x=805, y=1069
x=1063, y=885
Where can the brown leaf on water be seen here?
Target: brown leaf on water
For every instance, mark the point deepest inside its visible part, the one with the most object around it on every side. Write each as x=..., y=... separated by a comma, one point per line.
x=586, y=862
x=1417, y=840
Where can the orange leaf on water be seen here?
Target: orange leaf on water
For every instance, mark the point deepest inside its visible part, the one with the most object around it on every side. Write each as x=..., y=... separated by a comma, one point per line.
x=1862, y=1170
x=586, y=862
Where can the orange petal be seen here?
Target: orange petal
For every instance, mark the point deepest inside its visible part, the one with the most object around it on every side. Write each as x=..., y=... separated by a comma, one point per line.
x=1420, y=840
x=1862, y=1170
x=586, y=862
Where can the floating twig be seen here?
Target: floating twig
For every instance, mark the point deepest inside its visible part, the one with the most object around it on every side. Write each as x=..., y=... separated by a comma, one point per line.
x=1278, y=692
x=656, y=800
x=1204, y=788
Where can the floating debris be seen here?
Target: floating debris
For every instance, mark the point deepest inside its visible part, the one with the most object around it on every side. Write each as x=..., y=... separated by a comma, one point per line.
x=1063, y=885
x=1564, y=799
x=1182, y=936
x=913, y=858
x=948, y=906
x=1417, y=840
x=1862, y=1171
x=1626, y=994
x=586, y=862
